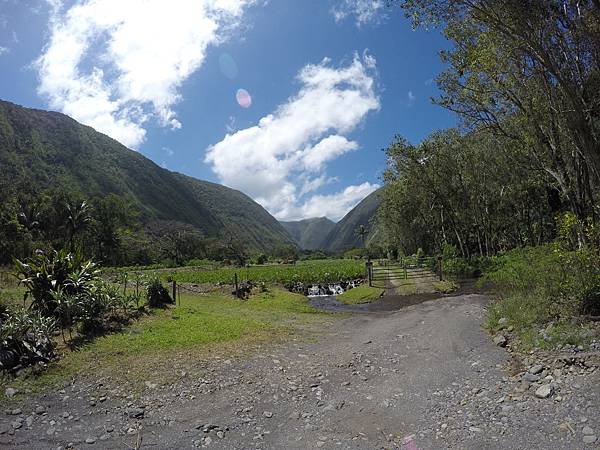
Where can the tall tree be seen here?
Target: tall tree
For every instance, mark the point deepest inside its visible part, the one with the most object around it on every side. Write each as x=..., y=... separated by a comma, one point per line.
x=532, y=63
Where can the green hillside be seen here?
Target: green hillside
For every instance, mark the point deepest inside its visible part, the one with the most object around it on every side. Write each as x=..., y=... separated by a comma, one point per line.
x=309, y=234
x=42, y=150
x=343, y=235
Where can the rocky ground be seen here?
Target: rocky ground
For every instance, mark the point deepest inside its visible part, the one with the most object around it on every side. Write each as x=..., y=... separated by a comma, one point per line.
x=426, y=374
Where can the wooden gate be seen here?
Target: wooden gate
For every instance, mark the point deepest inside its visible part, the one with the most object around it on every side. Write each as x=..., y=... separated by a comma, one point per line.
x=382, y=272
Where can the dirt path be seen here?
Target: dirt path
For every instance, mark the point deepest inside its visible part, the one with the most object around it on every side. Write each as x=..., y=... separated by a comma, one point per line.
x=369, y=380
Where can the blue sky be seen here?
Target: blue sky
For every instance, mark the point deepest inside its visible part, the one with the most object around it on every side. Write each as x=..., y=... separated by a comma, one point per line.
x=330, y=83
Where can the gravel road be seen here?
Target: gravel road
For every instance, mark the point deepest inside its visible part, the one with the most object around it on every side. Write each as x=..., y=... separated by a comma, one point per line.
x=366, y=382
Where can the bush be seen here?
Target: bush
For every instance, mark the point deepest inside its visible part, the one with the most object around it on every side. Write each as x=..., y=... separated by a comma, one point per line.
x=156, y=294
x=543, y=285
x=262, y=259
x=25, y=338
x=46, y=274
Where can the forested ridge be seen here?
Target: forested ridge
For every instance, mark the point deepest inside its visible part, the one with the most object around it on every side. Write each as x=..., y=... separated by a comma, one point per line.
x=136, y=211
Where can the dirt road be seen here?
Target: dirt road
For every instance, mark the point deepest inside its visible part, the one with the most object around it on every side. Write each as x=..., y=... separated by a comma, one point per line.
x=366, y=382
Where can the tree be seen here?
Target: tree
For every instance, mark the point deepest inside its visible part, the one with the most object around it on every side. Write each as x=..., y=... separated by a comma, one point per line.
x=110, y=215
x=78, y=218
x=528, y=71
x=474, y=191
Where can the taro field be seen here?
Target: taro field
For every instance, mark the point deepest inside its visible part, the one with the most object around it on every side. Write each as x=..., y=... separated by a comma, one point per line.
x=318, y=271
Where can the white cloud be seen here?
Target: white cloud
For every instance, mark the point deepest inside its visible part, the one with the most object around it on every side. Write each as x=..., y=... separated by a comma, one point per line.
x=411, y=98
x=115, y=64
x=4, y=50
x=335, y=206
x=168, y=151
x=363, y=11
x=284, y=156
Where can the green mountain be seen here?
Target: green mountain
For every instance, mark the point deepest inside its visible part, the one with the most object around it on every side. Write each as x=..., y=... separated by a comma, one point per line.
x=309, y=234
x=44, y=149
x=343, y=235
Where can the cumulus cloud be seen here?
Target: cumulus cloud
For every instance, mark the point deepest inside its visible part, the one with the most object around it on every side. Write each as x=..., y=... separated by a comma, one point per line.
x=363, y=11
x=335, y=206
x=115, y=64
x=283, y=157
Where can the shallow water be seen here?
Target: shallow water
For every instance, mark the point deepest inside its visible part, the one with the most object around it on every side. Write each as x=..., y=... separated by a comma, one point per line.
x=331, y=303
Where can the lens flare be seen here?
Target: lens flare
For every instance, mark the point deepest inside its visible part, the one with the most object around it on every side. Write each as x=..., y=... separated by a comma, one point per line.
x=228, y=66
x=243, y=98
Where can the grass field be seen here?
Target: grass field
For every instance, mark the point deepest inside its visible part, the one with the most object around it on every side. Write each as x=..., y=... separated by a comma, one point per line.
x=318, y=271
x=148, y=347
x=360, y=294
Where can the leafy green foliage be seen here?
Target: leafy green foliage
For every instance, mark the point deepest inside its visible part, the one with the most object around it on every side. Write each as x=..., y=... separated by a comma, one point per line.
x=157, y=295
x=475, y=193
x=528, y=71
x=55, y=274
x=324, y=271
x=545, y=286
x=25, y=338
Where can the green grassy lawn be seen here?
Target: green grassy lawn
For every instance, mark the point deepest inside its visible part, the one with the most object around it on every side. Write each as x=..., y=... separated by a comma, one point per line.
x=178, y=336
x=360, y=294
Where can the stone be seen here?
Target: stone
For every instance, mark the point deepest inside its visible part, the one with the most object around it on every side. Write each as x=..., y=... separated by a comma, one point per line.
x=500, y=340
x=589, y=439
x=40, y=409
x=90, y=440
x=10, y=392
x=530, y=378
x=268, y=414
x=544, y=391
x=587, y=430
x=502, y=322
x=536, y=369
x=135, y=413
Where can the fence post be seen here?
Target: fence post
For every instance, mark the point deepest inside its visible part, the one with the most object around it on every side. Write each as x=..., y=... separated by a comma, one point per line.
x=237, y=293
x=369, y=265
x=174, y=291
x=405, y=271
x=440, y=267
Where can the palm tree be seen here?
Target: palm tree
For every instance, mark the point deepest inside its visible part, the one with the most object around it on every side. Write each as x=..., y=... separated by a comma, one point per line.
x=362, y=232
x=78, y=218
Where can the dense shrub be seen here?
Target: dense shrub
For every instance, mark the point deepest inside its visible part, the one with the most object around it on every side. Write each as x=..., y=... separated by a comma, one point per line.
x=46, y=275
x=69, y=291
x=25, y=338
x=157, y=295
x=567, y=282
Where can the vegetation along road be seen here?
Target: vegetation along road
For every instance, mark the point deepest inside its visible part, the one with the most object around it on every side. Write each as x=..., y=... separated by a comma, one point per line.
x=359, y=381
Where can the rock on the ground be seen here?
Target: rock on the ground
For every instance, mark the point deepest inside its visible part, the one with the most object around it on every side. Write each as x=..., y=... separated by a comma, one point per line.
x=544, y=391
x=500, y=340
x=10, y=392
